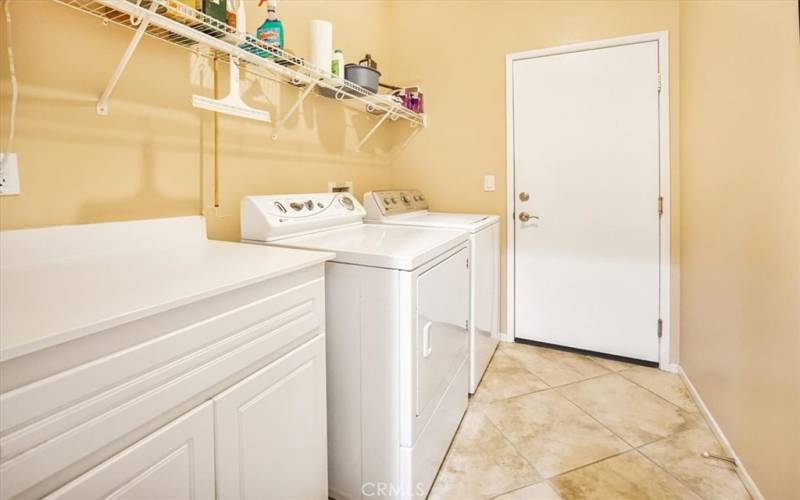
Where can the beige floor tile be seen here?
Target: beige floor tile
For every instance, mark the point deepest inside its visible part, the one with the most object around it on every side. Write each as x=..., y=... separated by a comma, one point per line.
x=680, y=455
x=481, y=463
x=630, y=411
x=538, y=491
x=610, y=364
x=667, y=385
x=505, y=378
x=554, y=367
x=552, y=433
x=629, y=476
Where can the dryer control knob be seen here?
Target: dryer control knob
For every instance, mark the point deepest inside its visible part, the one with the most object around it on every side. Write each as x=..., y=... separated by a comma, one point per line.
x=296, y=205
x=347, y=203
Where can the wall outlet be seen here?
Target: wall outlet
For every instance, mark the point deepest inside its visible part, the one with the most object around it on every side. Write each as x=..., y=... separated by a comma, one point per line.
x=488, y=183
x=9, y=174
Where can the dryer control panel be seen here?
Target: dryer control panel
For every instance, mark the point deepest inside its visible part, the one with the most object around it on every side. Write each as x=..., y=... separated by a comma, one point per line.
x=271, y=217
x=386, y=203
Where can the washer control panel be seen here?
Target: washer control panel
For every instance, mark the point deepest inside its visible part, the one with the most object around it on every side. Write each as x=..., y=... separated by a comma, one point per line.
x=386, y=203
x=270, y=217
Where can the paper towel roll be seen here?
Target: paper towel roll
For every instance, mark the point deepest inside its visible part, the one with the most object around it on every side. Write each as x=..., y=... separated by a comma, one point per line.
x=320, y=43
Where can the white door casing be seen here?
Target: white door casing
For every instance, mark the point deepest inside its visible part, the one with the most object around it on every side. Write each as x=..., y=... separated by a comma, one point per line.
x=588, y=141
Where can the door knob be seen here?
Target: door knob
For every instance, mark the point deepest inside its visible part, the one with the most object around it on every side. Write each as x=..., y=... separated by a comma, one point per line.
x=525, y=217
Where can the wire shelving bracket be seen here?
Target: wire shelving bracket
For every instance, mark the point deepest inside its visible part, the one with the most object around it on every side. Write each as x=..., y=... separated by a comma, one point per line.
x=142, y=22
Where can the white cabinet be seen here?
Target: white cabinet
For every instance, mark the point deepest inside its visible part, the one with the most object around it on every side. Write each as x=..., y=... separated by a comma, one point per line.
x=175, y=462
x=253, y=358
x=270, y=430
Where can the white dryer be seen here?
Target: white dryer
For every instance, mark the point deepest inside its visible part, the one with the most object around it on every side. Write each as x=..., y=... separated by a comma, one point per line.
x=397, y=306
x=410, y=208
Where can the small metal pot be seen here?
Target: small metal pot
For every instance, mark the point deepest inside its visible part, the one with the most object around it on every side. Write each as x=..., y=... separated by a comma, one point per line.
x=363, y=76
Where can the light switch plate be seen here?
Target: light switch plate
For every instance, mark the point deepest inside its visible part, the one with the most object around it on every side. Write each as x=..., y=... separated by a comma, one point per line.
x=9, y=174
x=488, y=183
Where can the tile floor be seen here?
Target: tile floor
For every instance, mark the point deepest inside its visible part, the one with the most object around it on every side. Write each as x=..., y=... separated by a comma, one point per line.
x=547, y=424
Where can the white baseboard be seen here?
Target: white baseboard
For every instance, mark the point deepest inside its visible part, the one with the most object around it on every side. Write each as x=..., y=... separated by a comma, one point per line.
x=669, y=367
x=505, y=337
x=741, y=470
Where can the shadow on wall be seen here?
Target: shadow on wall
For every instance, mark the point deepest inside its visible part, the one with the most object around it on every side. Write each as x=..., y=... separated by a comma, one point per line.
x=148, y=194
x=318, y=125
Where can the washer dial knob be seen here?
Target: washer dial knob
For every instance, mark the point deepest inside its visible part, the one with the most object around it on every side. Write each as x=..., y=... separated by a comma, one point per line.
x=347, y=202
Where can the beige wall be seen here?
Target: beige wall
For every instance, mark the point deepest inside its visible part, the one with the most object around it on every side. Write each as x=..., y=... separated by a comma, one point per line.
x=734, y=111
x=740, y=156
x=152, y=156
x=465, y=90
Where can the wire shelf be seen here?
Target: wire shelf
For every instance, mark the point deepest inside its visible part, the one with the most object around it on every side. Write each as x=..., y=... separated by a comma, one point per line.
x=182, y=26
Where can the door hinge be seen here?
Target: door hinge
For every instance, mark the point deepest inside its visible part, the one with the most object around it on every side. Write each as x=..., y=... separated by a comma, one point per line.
x=466, y=324
x=660, y=205
x=467, y=263
x=658, y=79
x=660, y=327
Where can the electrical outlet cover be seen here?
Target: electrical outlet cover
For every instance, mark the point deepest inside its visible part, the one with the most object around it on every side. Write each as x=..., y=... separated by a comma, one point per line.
x=340, y=187
x=9, y=174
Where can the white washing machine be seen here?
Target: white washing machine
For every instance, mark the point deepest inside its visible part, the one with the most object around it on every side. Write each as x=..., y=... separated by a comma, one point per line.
x=410, y=208
x=397, y=307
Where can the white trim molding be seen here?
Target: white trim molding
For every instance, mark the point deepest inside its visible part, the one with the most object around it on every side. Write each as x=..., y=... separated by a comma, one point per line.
x=665, y=359
x=741, y=470
x=505, y=337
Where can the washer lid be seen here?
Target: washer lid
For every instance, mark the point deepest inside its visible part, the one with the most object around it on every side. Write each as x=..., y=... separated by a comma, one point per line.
x=462, y=222
x=379, y=245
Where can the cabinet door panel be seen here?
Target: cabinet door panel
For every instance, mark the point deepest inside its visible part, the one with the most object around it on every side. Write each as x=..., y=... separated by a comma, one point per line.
x=175, y=462
x=271, y=430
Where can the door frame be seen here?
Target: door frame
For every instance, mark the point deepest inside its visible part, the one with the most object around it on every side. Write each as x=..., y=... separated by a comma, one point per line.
x=662, y=37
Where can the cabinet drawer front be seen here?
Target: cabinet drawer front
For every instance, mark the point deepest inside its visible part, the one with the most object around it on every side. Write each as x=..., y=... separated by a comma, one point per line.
x=62, y=419
x=270, y=430
x=175, y=462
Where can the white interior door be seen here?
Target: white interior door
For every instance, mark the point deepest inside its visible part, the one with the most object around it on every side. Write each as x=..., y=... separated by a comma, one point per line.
x=586, y=151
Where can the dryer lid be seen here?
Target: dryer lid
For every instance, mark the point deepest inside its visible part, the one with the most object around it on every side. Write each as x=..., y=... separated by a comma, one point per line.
x=379, y=245
x=462, y=222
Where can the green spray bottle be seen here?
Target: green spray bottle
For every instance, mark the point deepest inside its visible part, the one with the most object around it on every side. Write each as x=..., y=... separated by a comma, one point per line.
x=271, y=31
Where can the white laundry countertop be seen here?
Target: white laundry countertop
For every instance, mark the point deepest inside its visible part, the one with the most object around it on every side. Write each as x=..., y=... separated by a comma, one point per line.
x=58, y=284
